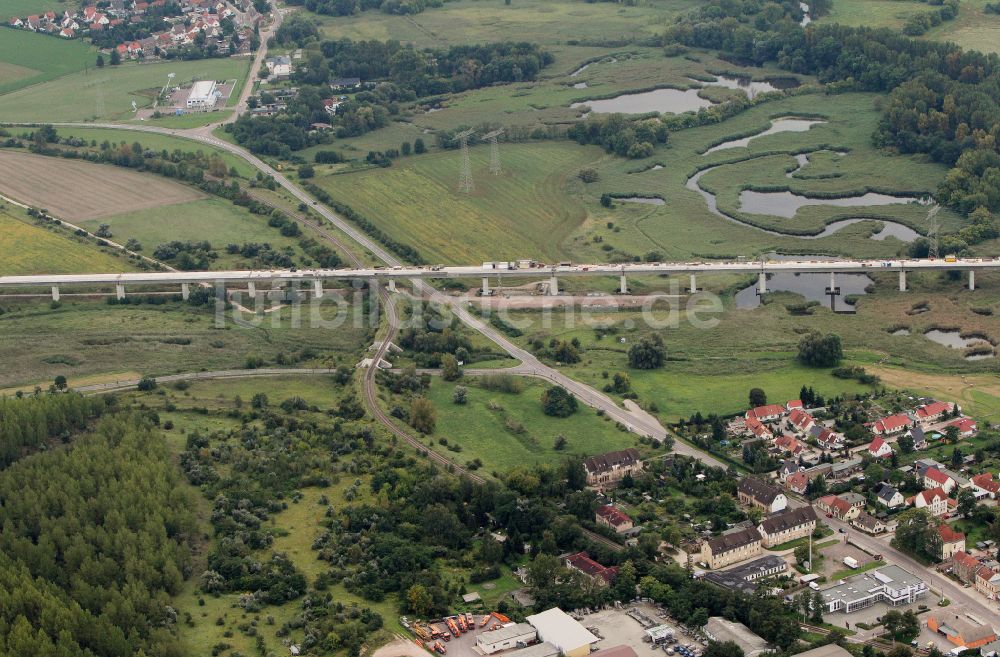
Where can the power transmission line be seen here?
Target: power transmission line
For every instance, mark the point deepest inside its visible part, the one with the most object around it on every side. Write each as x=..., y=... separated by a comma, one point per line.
x=933, y=224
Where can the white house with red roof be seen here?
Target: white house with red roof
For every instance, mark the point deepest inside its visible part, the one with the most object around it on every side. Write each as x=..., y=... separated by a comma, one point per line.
x=987, y=484
x=795, y=403
x=879, y=448
x=934, y=500
x=766, y=413
x=934, y=411
x=16, y=22
x=828, y=439
x=891, y=425
x=614, y=518
x=934, y=478
x=951, y=541
x=67, y=33
x=800, y=420
x=966, y=426
x=797, y=482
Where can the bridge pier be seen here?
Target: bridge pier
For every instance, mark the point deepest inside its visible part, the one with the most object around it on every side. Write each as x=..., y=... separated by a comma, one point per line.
x=972, y=280
x=392, y=284
x=486, y=286
x=694, y=284
x=120, y=291
x=553, y=286
x=185, y=291
x=623, y=285
x=833, y=290
x=318, y=288
x=762, y=283
x=55, y=293
x=251, y=288
x=902, y=280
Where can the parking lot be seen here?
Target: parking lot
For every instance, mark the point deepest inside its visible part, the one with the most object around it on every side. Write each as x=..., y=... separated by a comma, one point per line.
x=834, y=557
x=616, y=627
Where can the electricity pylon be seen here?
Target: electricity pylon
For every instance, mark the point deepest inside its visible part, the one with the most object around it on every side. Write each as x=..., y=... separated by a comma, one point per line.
x=495, y=167
x=465, y=183
x=932, y=231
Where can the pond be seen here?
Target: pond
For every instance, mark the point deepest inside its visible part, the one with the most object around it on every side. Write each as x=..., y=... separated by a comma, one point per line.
x=889, y=228
x=749, y=86
x=954, y=340
x=676, y=101
x=786, y=204
x=811, y=286
x=784, y=124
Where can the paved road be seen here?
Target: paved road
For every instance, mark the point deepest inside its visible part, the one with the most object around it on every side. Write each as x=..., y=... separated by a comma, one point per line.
x=959, y=595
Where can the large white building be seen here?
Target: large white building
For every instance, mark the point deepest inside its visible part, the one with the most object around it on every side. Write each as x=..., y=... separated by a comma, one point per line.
x=203, y=96
x=560, y=629
x=889, y=584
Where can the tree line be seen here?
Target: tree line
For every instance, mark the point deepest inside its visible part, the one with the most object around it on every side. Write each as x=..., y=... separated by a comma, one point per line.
x=28, y=423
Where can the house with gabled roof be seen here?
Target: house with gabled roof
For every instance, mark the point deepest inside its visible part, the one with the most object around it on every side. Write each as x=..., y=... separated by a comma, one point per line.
x=879, y=448
x=966, y=426
x=826, y=438
x=837, y=507
x=581, y=561
x=889, y=497
x=800, y=421
x=934, y=411
x=892, y=425
x=754, y=492
x=934, y=478
x=935, y=500
x=866, y=522
x=789, y=445
x=614, y=518
x=986, y=483
x=767, y=413
x=951, y=541
x=608, y=469
x=786, y=525
x=964, y=566
x=756, y=428
x=731, y=547
x=797, y=482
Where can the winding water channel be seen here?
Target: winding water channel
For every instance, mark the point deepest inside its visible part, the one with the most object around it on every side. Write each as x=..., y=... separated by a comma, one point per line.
x=678, y=101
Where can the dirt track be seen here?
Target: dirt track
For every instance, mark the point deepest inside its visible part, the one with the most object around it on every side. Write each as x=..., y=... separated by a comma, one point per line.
x=75, y=190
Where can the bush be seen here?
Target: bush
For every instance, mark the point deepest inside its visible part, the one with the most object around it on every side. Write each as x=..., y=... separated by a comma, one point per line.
x=558, y=402
x=146, y=383
x=818, y=350
x=648, y=353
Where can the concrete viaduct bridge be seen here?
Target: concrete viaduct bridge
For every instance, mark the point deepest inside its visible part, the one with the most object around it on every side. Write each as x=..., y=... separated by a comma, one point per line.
x=504, y=271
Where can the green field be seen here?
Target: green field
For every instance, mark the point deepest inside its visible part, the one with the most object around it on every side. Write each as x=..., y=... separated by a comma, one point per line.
x=89, y=341
x=107, y=93
x=525, y=211
x=216, y=220
x=539, y=209
x=505, y=430
x=973, y=28
x=26, y=248
x=27, y=58
x=22, y=8
x=712, y=369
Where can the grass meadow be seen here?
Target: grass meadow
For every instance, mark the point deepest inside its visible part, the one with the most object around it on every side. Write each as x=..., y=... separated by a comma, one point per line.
x=88, y=340
x=107, y=93
x=27, y=248
x=28, y=59
x=213, y=219
x=505, y=430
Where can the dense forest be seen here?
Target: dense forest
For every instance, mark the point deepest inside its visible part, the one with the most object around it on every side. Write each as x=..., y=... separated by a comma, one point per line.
x=28, y=423
x=944, y=101
x=93, y=540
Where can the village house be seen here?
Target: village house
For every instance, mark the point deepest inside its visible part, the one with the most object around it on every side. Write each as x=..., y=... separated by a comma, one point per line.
x=949, y=623
x=794, y=404
x=918, y=436
x=964, y=566
x=987, y=484
x=934, y=500
x=797, y=482
x=827, y=438
x=838, y=508
x=879, y=448
x=934, y=411
x=967, y=427
x=892, y=425
x=756, y=428
x=616, y=519
x=988, y=581
x=934, y=478
x=731, y=547
x=844, y=469
x=768, y=413
x=786, y=525
x=866, y=522
x=800, y=421
x=952, y=542
x=754, y=492
x=889, y=497
x=606, y=470
x=599, y=574
x=788, y=444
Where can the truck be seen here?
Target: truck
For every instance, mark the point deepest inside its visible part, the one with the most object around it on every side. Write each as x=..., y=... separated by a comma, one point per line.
x=851, y=562
x=950, y=258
